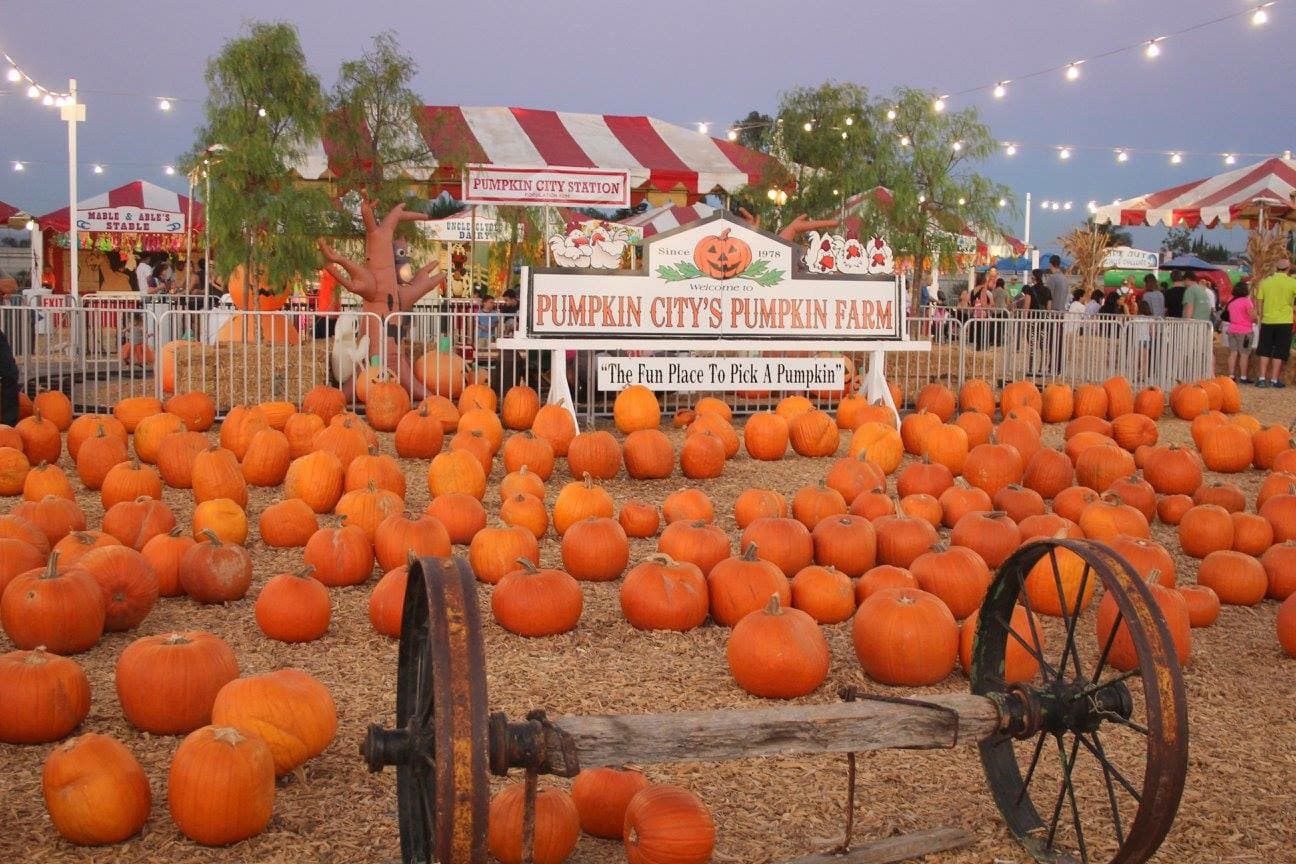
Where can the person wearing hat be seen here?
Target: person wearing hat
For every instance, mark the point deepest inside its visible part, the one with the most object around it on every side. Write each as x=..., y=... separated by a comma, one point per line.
x=1275, y=298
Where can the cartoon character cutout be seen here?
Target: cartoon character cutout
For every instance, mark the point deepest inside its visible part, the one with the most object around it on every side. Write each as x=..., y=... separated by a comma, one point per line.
x=880, y=258
x=597, y=245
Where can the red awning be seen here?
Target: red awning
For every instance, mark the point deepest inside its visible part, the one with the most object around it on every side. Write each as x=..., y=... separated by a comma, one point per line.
x=8, y=211
x=658, y=155
x=1237, y=197
x=139, y=207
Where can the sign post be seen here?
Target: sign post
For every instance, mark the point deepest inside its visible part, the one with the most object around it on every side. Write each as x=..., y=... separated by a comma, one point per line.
x=73, y=112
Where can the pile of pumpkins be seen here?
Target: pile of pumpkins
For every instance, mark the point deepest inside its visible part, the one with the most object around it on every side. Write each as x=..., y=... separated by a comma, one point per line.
x=862, y=543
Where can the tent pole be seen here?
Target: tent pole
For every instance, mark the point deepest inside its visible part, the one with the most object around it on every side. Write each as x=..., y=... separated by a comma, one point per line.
x=189, y=235
x=73, y=114
x=206, y=232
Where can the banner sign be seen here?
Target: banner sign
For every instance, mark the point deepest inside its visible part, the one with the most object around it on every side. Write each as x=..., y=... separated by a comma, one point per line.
x=567, y=187
x=1127, y=258
x=722, y=373
x=459, y=229
x=714, y=279
x=130, y=220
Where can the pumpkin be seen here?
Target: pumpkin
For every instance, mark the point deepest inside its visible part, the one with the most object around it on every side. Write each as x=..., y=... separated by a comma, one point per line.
x=926, y=477
x=721, y=428
x=1280, y=511
x=699, y=543
x=1146, y=556
x=961, y=499
x=1286, y=625
x=534, y=602
x=1132, y=431
x=53, y=517
x=879, y=444
x=265, y=461
x=1227, y=495
x=14, y=469
x=478, y=395
x=905, y=636
x=443, y=411
x=519, y=408
x=1113, y=631
x=814, y=434
x=881, y=577
x=136, y=522
x=1137, y=493
x=167, y=684
x=667, y=825
x=720, y=256
x=1171, y=508
x=163, y=553
x=555, y=424
x=287, y=523
x=1020, y=663
x=664, y=594
x=847, y=543
x=873, y=503
x=87, y=426
x=638, y=518
x=556, y=826
x=1204, y=529
x=127, y=481
x=1120, y=396
x=1267, y=444
x=777, y=653
x=16, y=527
x=461, y=514
x=1279, y=562
x=901, y=539
x=95, y=791
x=365, y=508
x=1088, y=423
x=222, y=517
x=72, y=548
x=418, y=435
x=785, y=542
x=1099, y=466
x=345, y=440
x=688, y=504
x=601, y=796
x=61, y=609
x=1173, y=470
x=293, y=607
x=594, y=453
x=214, y=571
x=456, y=471
x=387, y=601
x=1227, y=449
x=1108, y=517
x=702, y=457
x=238, y=427
x=914, y=428
x=521, y=480
x=580, y=500
x=1202, y=603
x=129, y=586
x=341, y=556
x=221, y=786
x=300, y=429
x=97, y=457
x=956, y=574
x=595, y=549
x=474, y=441
x=43, y=697
x=1252, y=534
x=176, y=456
x=976, y=395
x=494, y=551
x=288, y=709
x=636, y=407
x=813, y=503
x=1019, y=502
x=765, y=436
x=528, y=511
x=1020, y=393
x=1150, y=402
x=1237, y=579
x=196, y=409
x=1057, y=403
x=754, y=504
x=1205, y=422
x=991, y=467
x=17, y=557
x=739, y=585
x=1048, y=525
x=1188, y=400
x=41, y=441
x=923, y=507
x=854, y=410
x=150, y=433
x=377, y=468
x=1274, y=484
x=386, y=402
x=55, y=407
x=217, y=474
x=937, y=399
x=1020, y=433
x=44, y=479
x=849, y=475
x=1058, y=581
x=977, y=428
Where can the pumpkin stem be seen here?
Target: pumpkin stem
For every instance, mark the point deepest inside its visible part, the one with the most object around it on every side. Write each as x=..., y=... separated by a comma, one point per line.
x=749, y=553
x=176, y=639
x=211, y=536
x=36, y=656
x=773, y=607
x=527, y=564
x=1060, y=534
x=589, y=481
x=51, y=570
x=227, y=735
x=305, y=572
x=996, y=514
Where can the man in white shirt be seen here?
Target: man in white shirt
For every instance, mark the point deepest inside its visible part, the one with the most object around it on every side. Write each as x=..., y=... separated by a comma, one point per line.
x=143, y=272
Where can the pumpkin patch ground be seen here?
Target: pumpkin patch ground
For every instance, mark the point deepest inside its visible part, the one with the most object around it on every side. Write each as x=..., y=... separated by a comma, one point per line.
x=1241, y=690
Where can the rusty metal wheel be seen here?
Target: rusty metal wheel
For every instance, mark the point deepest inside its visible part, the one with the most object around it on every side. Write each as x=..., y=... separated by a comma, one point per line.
x=1106, y=750
x=439, y=745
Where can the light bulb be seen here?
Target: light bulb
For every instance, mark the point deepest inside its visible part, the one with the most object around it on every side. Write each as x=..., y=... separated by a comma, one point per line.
x=47, y=100
x=164, y=104
x=1011, y=150
x=1175, y=158
x=1003, y=202
x=891, y=114
x=962, y=201
x=1153, y=50
x=31, y=225
x=957, y=145
x=843, y=135
x=850, y=121
x=1072, y=71
x=169, y=169
x=60, y=102
x=18, y=166
x=922, y=199
x=14, y=74
x=904, y=140
x=98, y=169
x=1000, y=90
x=772, y=194
x=807, y=126
x=1260, y=17
x=1066, y=206
x=836, y=191
x=939, y=105
x=1044, y=205
x=1122, y=156
x=1064, y=153
x=732, y=135
x=1229, y=159
x=261, y=112
x=33, y=91
x=1055, y=205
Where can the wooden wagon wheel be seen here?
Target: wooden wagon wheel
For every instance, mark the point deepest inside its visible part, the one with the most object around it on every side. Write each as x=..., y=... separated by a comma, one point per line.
x=439, y=747
x=1073, y=702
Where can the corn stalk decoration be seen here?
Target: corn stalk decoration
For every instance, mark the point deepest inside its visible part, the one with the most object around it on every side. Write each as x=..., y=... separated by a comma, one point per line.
x=1265, y=248
x=1088, y=249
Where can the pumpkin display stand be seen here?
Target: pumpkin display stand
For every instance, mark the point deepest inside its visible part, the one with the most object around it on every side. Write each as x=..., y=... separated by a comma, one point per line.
x=1096, y=806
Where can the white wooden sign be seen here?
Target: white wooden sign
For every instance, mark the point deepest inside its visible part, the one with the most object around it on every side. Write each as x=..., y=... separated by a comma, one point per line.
x=721, y=373
x=566, y=187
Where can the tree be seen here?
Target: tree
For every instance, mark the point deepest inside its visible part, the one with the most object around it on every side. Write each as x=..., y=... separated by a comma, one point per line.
x=755, y=131
x=925, y=161
x=263, y=107
x=1116, y=235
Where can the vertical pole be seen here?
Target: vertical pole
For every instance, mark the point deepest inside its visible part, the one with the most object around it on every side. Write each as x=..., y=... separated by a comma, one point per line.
x=73, y=245
x=37, y=254
x=206, y=232
x=189, y=234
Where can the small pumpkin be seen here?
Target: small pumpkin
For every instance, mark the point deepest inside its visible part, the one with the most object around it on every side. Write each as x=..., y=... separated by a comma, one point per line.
x=595, y=549
x=1020, y=665
x=293, y=607
x=648, y=455
x=601, y=796
x=754, y=504
x=95, y=791
x=60, y=608
x=216, y=572
x=824, y=593
x=699, y=543
x=777, y=653
x=533, y=602
x=287, y=523
x=43, y=697
x=1237, y=579
x=557, y=826
x=341, y=556
x=494, y=551
x=639, y=519
x=667, y=825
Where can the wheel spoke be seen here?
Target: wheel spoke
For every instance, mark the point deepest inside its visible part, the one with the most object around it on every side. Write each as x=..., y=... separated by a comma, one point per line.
x=1034, y=763
x=1107, y=646
x=1116, y=679
x=1072, y=621
x=1030, y=620
x=1071, y=796
x=1061, y=796
x=1030, y=649
x=1066, y=619
x=1121, y=721
x=1100, y=754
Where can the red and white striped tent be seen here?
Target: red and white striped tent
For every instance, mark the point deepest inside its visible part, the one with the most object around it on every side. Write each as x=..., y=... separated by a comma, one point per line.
x=659, y=156
x=1242, y=197
x=7, y=212
x=657, y=220
x=138, y=208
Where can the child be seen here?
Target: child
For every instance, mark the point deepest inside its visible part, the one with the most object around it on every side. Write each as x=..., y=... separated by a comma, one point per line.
x=487, y=318
x=1240, y=317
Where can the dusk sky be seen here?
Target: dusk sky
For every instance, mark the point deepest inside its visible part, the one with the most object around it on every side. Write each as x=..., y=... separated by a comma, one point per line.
x=1223, y=88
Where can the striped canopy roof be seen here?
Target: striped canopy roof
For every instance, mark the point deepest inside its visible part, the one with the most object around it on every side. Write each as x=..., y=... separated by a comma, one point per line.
x=138, y=194
x=1234, y=197
x=7, y=212
x=657, y=220
x=658, y=155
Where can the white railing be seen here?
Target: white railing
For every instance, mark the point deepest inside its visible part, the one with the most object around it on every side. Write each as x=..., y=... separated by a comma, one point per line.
x=103, y=349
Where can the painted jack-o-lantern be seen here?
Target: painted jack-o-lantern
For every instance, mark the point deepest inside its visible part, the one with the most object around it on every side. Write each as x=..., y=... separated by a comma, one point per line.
x=721, y=256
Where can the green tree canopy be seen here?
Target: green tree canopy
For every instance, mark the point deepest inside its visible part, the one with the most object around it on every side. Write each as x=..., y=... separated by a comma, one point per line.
x=264, y=106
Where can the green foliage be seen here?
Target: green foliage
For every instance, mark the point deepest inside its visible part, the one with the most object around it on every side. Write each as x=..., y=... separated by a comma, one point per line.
x=1184, y=241
x=1117, y=235
x=264, y=106
x=376, y=126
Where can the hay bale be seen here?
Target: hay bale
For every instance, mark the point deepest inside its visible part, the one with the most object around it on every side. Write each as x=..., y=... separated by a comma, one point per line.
x=244, y=373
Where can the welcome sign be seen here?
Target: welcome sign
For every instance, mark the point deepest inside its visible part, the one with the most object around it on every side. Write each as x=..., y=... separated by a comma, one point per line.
x=714, y=279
